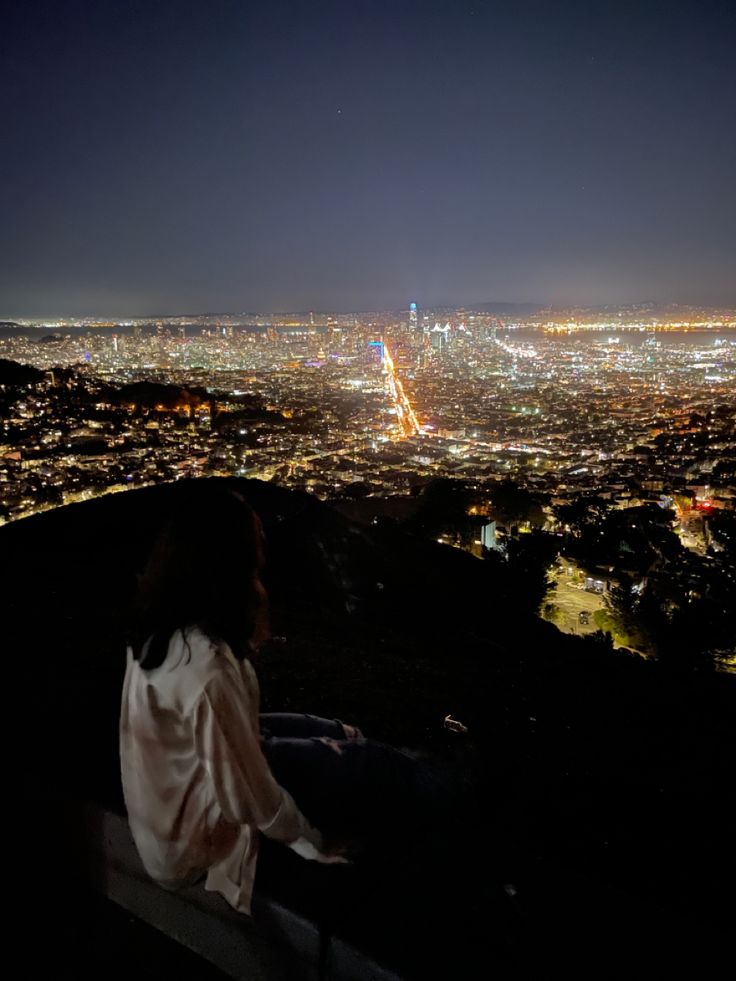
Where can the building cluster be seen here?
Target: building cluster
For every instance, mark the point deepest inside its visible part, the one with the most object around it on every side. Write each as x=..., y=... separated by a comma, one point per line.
x=379, y=403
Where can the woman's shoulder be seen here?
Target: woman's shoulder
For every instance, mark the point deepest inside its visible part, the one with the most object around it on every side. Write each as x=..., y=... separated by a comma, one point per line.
x=215, y=658
x=194, y=662
x=200, y=649
x=191, y=653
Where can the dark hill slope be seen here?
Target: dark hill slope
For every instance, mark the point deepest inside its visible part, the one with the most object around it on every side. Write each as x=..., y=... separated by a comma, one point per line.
x=14, y=374
x=607, y=783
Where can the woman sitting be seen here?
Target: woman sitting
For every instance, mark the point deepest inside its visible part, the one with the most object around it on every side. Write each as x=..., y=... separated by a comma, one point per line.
x=197, y=785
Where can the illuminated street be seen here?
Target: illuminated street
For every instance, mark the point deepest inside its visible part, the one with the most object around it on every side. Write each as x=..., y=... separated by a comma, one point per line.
x=408, y=424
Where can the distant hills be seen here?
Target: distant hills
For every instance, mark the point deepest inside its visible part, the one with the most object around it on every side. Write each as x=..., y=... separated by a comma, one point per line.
x=490, y=307
x=507, y=309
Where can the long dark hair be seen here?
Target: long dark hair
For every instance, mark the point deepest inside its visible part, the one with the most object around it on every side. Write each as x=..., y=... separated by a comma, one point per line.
x=203, y=571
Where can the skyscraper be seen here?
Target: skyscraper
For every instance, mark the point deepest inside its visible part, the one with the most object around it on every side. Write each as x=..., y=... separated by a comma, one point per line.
x=412, y=316
x=439, y=336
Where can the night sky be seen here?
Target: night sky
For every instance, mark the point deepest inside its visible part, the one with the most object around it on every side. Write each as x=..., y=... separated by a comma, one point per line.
x=227, y=156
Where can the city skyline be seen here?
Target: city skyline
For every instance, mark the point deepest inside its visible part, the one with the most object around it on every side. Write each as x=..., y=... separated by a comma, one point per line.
x=516, y=428
x=645, y=312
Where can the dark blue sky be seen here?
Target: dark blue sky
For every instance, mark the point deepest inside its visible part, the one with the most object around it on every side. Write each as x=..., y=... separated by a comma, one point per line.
x=162, y=156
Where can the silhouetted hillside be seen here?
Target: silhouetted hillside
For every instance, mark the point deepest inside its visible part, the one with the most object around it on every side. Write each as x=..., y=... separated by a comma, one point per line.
x=150, y=394
x=507, y=309
x=606, y=782
x=12, y=373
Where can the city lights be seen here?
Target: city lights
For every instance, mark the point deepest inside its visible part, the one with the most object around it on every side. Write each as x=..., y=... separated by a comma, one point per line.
x=321, y=403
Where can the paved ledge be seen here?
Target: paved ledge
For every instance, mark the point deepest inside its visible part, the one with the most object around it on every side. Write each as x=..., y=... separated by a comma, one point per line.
x=278, y=944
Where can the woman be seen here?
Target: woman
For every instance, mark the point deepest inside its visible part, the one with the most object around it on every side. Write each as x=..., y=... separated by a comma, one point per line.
x=197, y=785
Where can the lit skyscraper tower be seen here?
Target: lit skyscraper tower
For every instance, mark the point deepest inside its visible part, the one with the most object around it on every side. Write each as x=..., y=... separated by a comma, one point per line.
x=412, y=316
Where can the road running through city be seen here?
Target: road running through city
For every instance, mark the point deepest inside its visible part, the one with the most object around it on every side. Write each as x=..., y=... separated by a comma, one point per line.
x=407, y=421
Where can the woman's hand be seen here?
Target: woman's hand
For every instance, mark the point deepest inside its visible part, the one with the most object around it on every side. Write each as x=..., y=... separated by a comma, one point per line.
x=335, y=855
x=333, y=858
x=326, y=856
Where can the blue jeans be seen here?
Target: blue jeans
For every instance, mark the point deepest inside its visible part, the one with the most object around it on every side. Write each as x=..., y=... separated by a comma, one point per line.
x=291, y=725
x=353, y=789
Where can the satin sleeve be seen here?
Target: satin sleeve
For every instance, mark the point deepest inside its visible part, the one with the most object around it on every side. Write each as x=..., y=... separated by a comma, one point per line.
x=228, y=745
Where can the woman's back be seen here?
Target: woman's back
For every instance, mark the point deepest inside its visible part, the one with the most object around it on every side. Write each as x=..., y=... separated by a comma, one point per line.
x=172, y=807
x=195, y=780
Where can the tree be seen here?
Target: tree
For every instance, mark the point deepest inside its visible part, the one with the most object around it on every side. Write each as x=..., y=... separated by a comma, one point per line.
x=528, y=560
x=512, y=504
x=625, y=604
x=722, y=527
x=443, y=507
x=582, y=512
x=357, y=490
